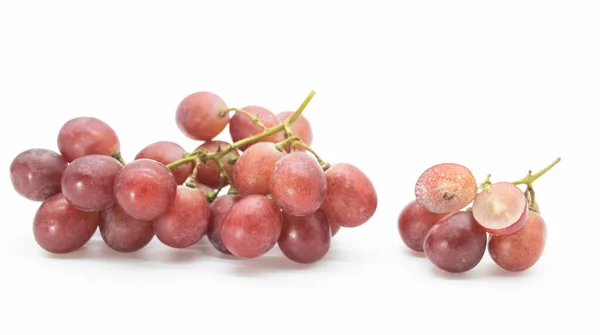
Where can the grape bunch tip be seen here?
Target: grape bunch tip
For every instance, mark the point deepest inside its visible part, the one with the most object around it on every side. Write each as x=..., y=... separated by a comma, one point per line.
x=279, y=191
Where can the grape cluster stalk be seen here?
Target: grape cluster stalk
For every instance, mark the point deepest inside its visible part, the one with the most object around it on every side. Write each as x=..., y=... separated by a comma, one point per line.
x=281, y=192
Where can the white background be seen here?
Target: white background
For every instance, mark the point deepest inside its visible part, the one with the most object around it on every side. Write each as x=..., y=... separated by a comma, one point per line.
x=501, y=87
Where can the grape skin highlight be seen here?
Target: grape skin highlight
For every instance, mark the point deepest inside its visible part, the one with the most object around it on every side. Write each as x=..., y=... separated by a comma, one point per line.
x=197, y=116
x=84, y=136
x=123, y=233
x=305, y=239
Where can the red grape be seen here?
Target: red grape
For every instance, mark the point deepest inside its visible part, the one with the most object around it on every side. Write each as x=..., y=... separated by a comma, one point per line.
x=84, y=136
x=521, y=250
x=501, y=209
x=186, y=220
x=35, y=173
x=456, y=243
x=305, y=239
x=351, y=199
x=145, y=189
x=209, y=172
x=218, y=211
x=301, y=128
x=414, y=223
x=252, y=172
x=60, y=228
x=241, y=126
x=335, y=228
x=168, y=152
x=298, y=184
x=88, y=182
x=198, y=116
x=446, y=188
x=252, y=226
x=123, y=233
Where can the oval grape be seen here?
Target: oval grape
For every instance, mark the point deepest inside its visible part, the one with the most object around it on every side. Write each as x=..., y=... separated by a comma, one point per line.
x=252, y=172
x=305, y=239
x=59, y=227
x=36, y=173
x=414, y=223
x=501, y=209
x=84, y=136
x=123, y=233
x=445, y=188
x=166, y=152
x=198, y=116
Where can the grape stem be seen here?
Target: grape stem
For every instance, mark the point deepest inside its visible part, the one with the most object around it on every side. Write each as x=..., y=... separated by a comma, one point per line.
x=252, y=117
x=117, y=155
x=530, y=178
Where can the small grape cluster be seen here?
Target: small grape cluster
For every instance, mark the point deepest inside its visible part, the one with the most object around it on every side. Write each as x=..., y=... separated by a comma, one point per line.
x=455, y=240
x=279, y=190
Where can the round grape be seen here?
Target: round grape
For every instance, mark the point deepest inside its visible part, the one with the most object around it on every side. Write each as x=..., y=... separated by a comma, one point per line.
x=414, y=223
x=186, y=220
x=218, y=211
x=446, y=188
x=241, y=126
x=456, y=243
x=84, y=136
x=521, y=250
x=145, y=189
x=198, y=116
x=59, y=227
x=301, y=128
x=252, y=226
x=35, y=173
x=252, y=172
x=88, y=182
x=305, y=239
x=501, y=209
x=168, y=152
x=298, y=184
x=123, y=233
x=351, y=199
x=209, y=172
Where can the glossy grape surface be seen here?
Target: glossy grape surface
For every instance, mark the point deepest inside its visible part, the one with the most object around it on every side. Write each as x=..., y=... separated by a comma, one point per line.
x=197, y=116
x=36, y=173
x=305, y=239
x=123, y=233
x=84, y=136
x=167, y=152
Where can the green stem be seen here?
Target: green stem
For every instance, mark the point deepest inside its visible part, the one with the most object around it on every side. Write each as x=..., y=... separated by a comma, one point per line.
x=487, y=183
x=280, y=145
x=323, y=164
x=530, y=178
x=117, y=156
x=252, y=117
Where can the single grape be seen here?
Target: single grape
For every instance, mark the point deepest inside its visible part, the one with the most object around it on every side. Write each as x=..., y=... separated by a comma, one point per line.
x=84, y=136
x=301, y=128
x=252, y=172
x=351, y=199
x=241, y=126
x=168, y=152
x=521, y=250
x=414, y=223
x=335, y=228
x=145, y=189
x=35, y=173
x=456, y=243
x=59, y=227
x=305, y=239
x=446, y=188
x=298, y=184
x=209, y=172
x=186, y=220
x=88, y=182
x=198, y=116
x=218, y=211
x=252, y=226
x=123, y=233
x=501, y=209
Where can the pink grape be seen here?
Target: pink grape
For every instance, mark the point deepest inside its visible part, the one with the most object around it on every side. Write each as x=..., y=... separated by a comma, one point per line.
x=35, y=173
x=209, y=172
x=351, y=199
x=501, y=209
x=252, y=226
x=84, y=136
x=59, y=227
x=305, y=239
x=185, y=221
x=218, y=211
x=301, y=128
x=414, y=223
x=198, y=116
x=88, y=182
x=252, y=172
x=446, y=188
x=298, y=184
x=145, y=189
x=123, y=233
x=241, y=126
x=167, y=152
x=456, y=243
x=521, y=250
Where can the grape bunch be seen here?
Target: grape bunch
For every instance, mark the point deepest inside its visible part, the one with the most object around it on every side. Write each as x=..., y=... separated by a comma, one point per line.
x=452, y=216
x=279, y=191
